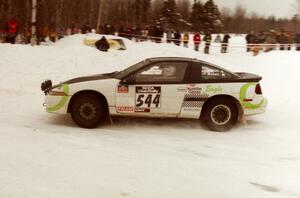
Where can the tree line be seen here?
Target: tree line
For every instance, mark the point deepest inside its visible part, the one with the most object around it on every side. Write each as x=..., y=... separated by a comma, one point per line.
x=183, y=15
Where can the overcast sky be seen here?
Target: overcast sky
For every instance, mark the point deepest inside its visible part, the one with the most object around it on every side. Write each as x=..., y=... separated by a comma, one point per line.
x=279, y=8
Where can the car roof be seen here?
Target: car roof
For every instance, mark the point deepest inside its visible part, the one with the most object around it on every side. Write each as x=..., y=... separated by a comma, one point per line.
x=171, y=59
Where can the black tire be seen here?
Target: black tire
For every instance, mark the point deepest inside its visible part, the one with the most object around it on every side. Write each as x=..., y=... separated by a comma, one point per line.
x=220, y=114
x=88, y=110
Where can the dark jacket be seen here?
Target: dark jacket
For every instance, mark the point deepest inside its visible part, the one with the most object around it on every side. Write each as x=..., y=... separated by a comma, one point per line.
x=226, y=38
x=102, y=44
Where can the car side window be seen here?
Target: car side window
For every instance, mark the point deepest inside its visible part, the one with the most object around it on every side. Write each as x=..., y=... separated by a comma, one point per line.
x=164, y=72
x=195, y=73
x=211, y=73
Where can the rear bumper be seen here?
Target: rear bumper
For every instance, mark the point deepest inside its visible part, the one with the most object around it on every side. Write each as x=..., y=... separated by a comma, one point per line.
x=255, y=108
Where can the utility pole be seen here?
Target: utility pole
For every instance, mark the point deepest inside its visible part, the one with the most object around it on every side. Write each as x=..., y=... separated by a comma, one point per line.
x=33, y=40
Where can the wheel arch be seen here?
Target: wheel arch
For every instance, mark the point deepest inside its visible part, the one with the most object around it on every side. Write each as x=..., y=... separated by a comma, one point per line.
x=225, y=97
x=98, y=94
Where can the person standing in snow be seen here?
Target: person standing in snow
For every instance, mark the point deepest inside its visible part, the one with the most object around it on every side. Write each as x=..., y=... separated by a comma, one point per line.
x=12, y=30
x=270, y=41
x=145, y=33
x=197, y=40
x=138, y=33
x=177, y=38
x=225, y=43
x=185, y=40
x=158, y=33
x=207, y=39
x=169, y=35
x=218, y=39
x=52, y=34
x=297, y=41
x=249, y=40
x=86, y=28
x=121, y=31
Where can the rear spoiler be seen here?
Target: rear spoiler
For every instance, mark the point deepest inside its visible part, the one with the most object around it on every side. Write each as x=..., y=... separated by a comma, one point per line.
x=249, y=77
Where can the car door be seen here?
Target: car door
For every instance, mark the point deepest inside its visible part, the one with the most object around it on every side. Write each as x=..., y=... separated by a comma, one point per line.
x=204, y=81
x=156, y=90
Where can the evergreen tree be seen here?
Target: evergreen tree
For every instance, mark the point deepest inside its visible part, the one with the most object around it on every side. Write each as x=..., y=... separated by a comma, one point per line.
x=170, y=15
x=197, y=16
x=212, y=20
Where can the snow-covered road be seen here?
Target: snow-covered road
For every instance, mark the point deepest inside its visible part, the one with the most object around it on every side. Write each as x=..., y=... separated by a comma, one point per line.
x=47, y=155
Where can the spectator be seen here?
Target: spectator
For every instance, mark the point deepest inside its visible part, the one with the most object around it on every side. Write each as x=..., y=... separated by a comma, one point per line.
x=297, y=41
x=249, y=39
x=282, y=39
x=12, y=30
x=52, y=34
x=61, y=33
x=207, y=39
x=145, y=33
x=270, y=41
x=169, y=35
x=185, y=40
x=225, y=43
x=256, y=45
x=121, y=31
x=218, y=39
x=86, y=28
x=27, y=35
x=2, y=36
x=158, y=33
x=197, y=40
x=138, y=33
x=129, y=32
x=177, y=38
x=44, y=33
x=289, y=38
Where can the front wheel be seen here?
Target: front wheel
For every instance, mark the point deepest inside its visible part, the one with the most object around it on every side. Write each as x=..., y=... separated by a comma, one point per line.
x=220, y=114
x=88, y=110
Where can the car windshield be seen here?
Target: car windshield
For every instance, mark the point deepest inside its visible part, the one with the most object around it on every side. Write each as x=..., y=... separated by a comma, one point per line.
x=130, y=69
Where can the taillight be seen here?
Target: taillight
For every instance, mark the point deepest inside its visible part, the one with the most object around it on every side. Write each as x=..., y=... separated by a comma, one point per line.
x=258, y=89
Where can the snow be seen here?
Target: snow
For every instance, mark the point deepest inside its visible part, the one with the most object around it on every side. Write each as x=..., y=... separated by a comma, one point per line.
x=47, y=155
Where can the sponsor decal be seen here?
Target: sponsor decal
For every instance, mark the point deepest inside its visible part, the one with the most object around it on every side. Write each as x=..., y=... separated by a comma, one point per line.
x=123, y=89
x=213, y=89
x=138, y=110
x=194, y=90
x=243, y=95
x=147, y=97
x=124, y=109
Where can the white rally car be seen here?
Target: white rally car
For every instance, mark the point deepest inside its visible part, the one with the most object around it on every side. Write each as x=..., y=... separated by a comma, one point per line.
x=160, y=87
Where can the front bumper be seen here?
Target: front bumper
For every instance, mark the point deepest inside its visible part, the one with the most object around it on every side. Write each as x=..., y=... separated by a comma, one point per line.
x=56, y=104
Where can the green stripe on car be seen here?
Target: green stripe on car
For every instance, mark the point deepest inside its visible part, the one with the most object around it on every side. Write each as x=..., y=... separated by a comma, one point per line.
x=243, y=95
x=62, y=101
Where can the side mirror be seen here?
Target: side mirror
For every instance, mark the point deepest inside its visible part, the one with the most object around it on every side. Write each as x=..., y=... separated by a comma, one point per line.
x=130, y=80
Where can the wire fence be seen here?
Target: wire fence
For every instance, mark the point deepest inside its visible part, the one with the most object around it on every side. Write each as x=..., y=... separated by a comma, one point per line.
x=190, y=42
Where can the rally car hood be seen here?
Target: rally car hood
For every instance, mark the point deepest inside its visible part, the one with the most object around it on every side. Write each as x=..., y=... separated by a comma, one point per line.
x=90, y=78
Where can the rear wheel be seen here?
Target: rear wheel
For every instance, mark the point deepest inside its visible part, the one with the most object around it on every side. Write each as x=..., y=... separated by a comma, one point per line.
x=220, y=114
x=88, y=110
